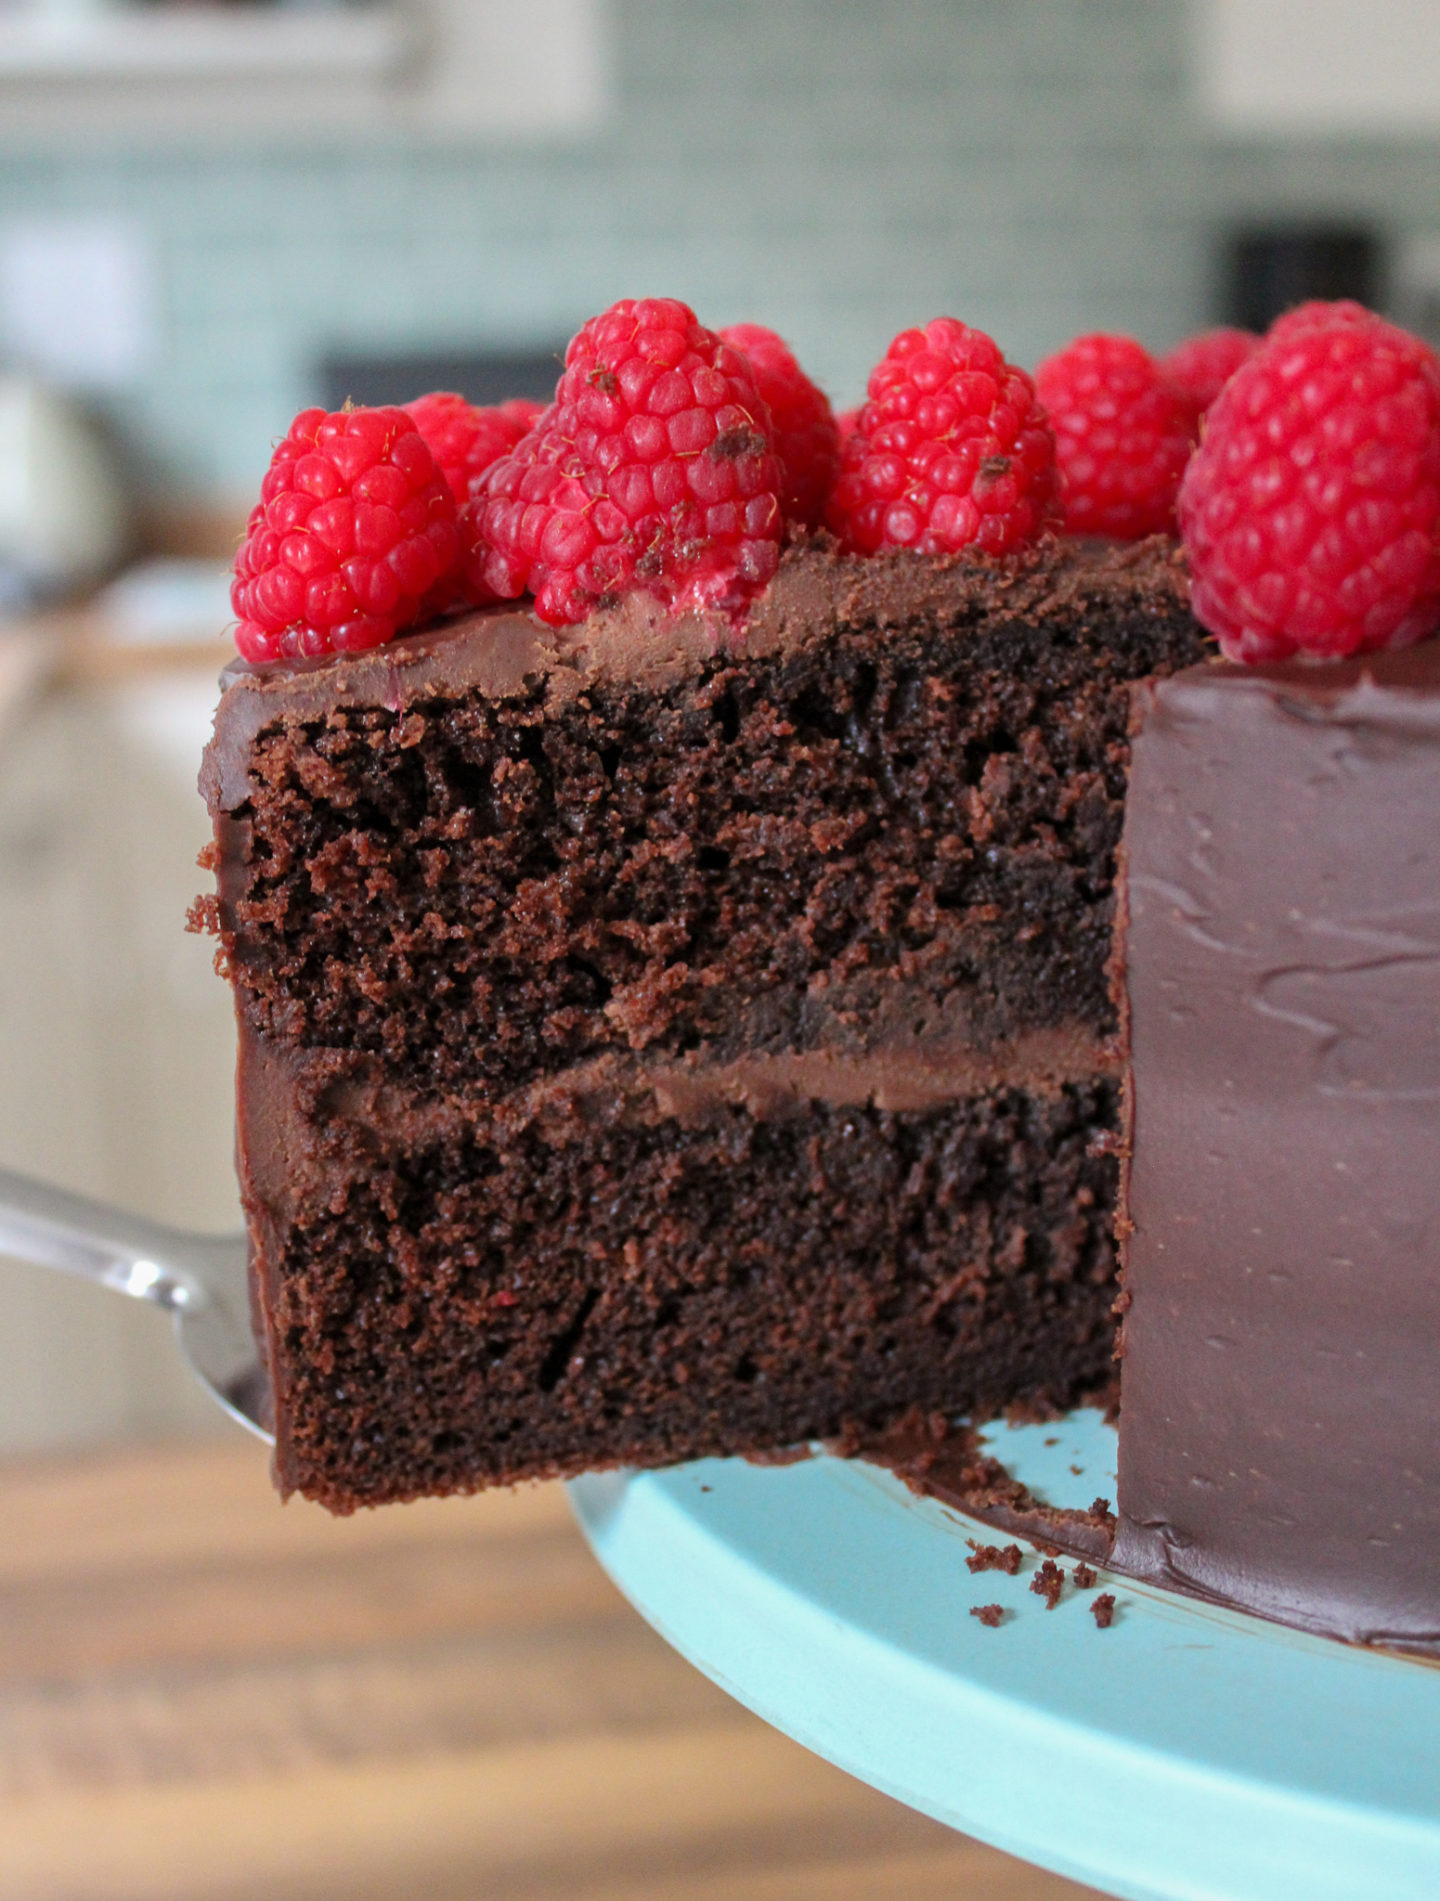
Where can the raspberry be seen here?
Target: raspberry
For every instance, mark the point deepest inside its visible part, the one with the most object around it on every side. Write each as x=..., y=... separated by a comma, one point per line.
x=1122, y=436
x=1347, y=312
x=952, y=451
x=847, y=421
x=465, y=440
x=806, y=438
x=1311, y=511
x=1306, y=316
x=653, y=469
x=1200, y=367
x=354, y=529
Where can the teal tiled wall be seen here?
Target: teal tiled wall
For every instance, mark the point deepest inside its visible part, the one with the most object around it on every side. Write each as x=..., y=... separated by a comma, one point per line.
x=834, y=168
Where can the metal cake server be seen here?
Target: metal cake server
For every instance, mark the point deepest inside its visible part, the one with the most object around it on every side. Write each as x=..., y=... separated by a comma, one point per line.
x=199, y=1278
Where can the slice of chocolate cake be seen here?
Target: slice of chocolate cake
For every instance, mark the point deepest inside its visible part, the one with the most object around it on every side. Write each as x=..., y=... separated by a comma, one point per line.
x=660, y=1041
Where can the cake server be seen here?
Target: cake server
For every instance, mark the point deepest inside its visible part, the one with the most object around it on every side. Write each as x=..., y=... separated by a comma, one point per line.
x=198, y=1278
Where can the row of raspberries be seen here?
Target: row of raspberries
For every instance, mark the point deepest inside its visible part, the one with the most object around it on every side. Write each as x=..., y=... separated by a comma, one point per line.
x=1303, y=469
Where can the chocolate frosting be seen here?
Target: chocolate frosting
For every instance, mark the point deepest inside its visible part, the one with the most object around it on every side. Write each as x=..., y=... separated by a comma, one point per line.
x=306, y=1113
x=1280, y=1430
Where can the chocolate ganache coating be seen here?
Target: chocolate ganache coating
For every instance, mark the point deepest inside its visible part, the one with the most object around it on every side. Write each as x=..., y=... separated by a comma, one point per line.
x=1280, y=911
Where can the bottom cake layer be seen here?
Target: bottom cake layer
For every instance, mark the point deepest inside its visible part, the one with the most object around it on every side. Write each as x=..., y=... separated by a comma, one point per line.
x=485, y=1304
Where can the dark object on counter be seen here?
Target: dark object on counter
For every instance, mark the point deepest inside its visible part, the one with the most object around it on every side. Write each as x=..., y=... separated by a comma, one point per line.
x=1278, y=1442
x=656, y=1043
x=1269, y=271
x=481, y=376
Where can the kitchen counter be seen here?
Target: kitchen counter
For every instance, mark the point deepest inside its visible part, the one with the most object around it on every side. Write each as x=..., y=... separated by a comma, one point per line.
x=205, y=1695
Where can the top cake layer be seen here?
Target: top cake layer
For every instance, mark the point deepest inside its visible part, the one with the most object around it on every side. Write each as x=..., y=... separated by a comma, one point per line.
x=501, y=652
x=496, y=850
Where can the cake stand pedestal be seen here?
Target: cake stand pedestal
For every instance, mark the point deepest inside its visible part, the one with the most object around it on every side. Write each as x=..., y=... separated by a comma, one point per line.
x=1184, y=1754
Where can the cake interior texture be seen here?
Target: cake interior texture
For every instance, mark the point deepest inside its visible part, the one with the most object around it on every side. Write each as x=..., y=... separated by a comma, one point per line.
x=657, y=1042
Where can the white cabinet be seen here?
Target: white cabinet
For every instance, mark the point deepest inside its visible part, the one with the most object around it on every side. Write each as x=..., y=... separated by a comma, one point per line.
x=82, y=70
x=1288, y=68
x=116, y=1038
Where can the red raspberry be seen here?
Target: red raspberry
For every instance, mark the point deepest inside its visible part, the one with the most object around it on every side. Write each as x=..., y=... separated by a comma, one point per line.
x=1311, y=511
x=653, y=469
x=1122, y=437
x=952, y=451
x=847, y=421
x=806, y=438
x=1347, y=311
x=465, y=440
x=1201, y=366
x=1306, y=316
x=354, y=529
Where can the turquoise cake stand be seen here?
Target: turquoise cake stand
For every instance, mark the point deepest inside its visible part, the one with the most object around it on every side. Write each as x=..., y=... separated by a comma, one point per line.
x=1184, y=1754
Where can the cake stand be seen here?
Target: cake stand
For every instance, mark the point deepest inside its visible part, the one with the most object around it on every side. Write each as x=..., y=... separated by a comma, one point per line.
x=1184, y=1754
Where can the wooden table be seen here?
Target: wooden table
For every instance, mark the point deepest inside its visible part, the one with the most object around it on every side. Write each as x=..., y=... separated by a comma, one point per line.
x=204, y=1695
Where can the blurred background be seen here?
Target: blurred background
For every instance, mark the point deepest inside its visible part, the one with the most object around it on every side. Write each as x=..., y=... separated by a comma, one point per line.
x=210, y=217
x=213, y=215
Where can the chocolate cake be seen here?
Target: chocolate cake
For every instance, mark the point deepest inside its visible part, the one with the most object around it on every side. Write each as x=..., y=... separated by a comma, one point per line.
x=712, y=1029
x=1280, y=1426
x=661, y=1038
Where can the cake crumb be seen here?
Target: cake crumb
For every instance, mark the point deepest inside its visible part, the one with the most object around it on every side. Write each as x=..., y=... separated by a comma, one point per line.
x=781, y=1455
x=203, y=917
x=1102, y=1609
x=1030, y=1411
x=1084, y=1577
x=990, y=1615
x=1048, y=1582
x=993, y=1558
